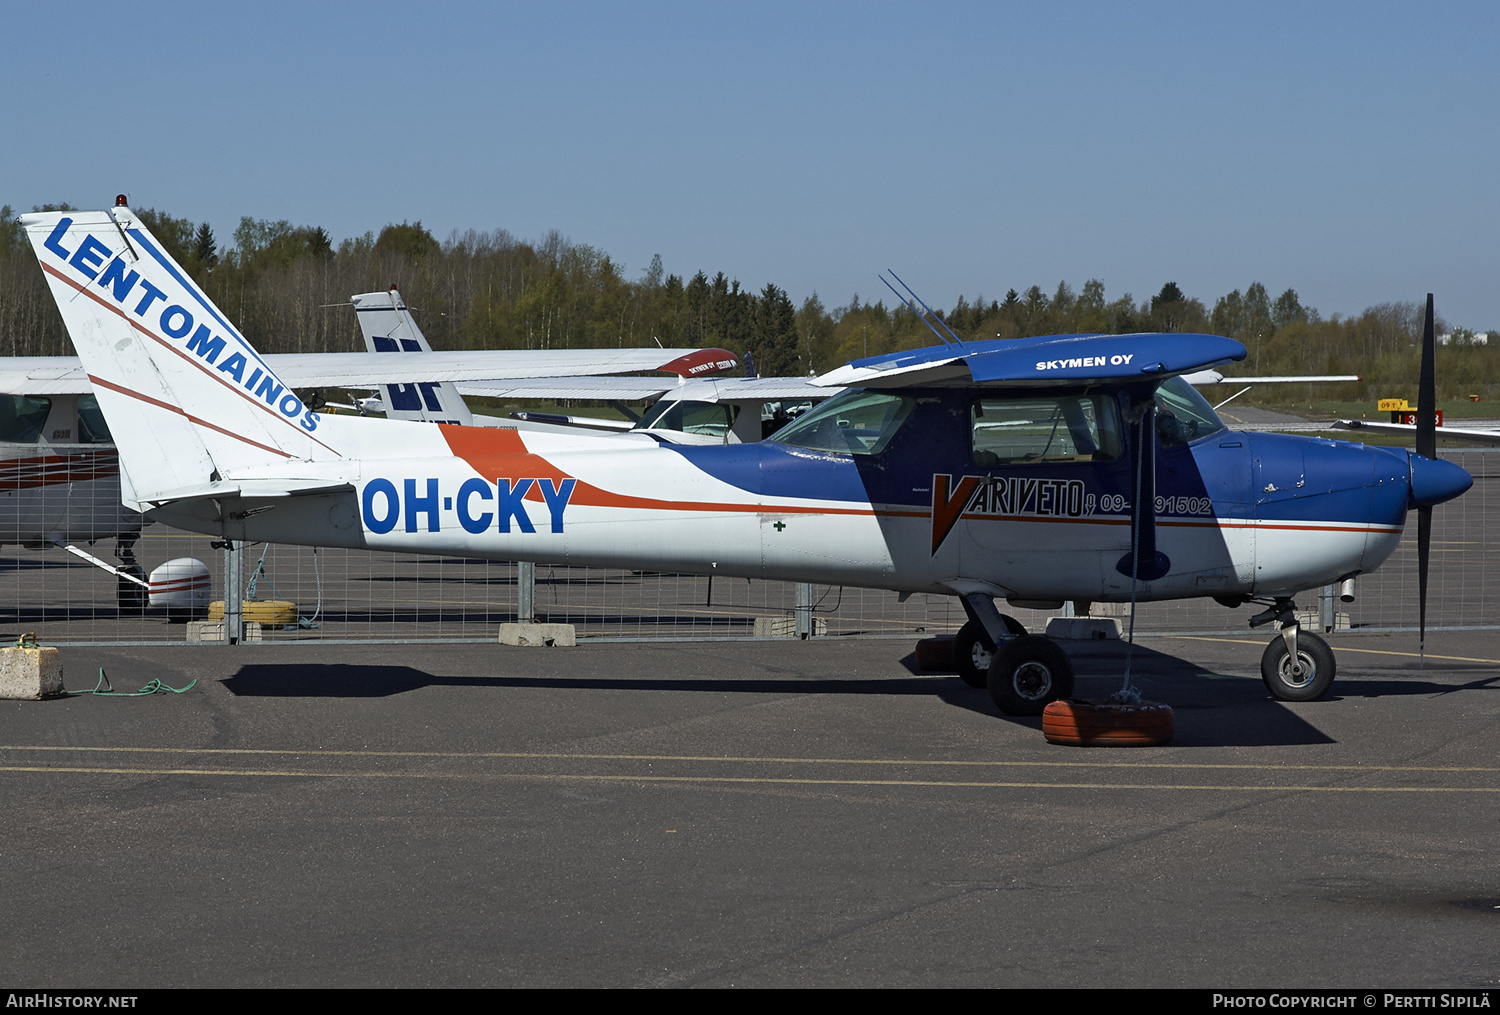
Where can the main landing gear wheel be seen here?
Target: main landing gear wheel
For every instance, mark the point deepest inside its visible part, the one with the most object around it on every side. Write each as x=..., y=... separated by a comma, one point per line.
x=1309, y=679
x=1027, y=673
x=130, y=597
x=973, y=650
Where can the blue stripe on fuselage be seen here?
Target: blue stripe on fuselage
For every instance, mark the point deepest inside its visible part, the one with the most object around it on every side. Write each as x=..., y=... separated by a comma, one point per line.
x=774, y=470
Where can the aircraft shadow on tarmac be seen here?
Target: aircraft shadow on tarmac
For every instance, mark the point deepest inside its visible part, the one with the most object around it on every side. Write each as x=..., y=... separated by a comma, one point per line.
x=1212, y=709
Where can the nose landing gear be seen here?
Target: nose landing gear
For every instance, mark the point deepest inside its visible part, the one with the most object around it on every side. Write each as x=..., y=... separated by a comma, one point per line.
x=1297, y=665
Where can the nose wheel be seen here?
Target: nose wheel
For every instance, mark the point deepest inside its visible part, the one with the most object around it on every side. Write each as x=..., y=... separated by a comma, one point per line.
x=1300, y=673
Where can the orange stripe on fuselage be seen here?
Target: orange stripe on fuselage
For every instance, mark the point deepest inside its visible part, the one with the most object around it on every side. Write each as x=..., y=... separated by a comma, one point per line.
x=501, y=453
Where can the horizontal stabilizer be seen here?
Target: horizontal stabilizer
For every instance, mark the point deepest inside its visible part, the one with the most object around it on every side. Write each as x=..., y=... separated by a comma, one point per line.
x=250, y=488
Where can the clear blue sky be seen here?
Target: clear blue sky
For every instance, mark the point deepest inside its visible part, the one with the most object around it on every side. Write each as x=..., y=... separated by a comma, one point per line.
x=1348, y=150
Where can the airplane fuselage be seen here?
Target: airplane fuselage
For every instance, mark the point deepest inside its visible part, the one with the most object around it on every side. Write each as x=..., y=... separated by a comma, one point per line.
x=1237, y=514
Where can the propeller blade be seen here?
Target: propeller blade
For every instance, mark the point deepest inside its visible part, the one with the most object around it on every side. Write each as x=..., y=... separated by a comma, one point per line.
x=1427, y=391
x=1427, y=448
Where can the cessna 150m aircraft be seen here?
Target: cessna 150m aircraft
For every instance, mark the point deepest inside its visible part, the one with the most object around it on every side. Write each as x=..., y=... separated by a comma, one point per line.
x=1036, y=471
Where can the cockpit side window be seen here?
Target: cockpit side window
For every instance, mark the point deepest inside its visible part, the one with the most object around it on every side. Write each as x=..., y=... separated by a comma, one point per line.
x=22, y=417
x=857, y=422
x=1045, y=428
x=1183, y=415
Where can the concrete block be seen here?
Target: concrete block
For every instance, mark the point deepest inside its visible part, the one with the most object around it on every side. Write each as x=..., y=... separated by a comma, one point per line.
x=786, y=627
x=1084, y=628
x=555, y=635
x=30, y=673
x=213, y=630
x=1313, y=621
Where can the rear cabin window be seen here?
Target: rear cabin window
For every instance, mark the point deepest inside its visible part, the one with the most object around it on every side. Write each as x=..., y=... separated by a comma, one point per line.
x=91, y=426
x=1045, y=428
x=687, y=416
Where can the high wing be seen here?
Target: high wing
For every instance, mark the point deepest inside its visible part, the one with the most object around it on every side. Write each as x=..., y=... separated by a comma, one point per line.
x=1046, y=361
x=699, y=389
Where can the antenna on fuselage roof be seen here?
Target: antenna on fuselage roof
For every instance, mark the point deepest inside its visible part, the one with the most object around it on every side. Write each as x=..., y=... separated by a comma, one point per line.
x=952, y=339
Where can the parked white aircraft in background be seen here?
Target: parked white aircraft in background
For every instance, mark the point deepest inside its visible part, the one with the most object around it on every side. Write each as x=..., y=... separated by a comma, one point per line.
x=695, y=407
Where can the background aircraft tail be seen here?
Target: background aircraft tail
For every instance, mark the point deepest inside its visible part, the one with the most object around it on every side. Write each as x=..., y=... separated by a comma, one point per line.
x=188, y=400
x=388, y=327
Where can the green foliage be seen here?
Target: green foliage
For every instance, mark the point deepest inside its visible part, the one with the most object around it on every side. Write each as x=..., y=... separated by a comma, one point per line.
x=408, y=241
x=205, y=250
x=174, y=234
x=773, y=333
x=12, y=236
x=287, y=288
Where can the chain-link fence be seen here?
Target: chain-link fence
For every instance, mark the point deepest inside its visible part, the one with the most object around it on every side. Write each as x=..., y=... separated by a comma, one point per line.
x=302, y=593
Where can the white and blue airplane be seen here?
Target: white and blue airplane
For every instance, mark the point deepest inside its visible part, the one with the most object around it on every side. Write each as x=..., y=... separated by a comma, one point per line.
x=1033, y=471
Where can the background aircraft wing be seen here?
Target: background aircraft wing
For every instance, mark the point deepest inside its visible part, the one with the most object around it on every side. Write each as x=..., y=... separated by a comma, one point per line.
x=1214, y=377
x=43, y=375
x=716, y=389
x=1451, y=433
x=371, y=369
x=583, y=386
x=64, y=375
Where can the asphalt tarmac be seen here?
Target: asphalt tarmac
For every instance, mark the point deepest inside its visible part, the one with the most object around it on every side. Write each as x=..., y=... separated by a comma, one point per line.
x=746, y=814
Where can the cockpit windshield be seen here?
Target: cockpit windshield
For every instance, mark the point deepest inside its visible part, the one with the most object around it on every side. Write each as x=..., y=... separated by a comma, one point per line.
x=856, y=422
x=1183, y=415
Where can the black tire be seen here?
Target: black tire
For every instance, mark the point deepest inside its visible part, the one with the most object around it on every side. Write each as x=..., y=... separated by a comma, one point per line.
x=973, y=649
x=1027, y=673
x=1317, y=663
x=130, y=597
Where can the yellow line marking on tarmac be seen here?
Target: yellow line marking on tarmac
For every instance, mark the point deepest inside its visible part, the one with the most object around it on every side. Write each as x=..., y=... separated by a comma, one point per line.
x=747, y=780
x=558, y=756
x=1341, y=648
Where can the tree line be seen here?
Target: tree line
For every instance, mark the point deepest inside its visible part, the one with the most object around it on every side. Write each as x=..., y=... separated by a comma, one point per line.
x=287, y=288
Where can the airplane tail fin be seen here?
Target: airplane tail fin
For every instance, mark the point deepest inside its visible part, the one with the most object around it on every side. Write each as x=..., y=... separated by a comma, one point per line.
x=388, y=327
x=188, y=400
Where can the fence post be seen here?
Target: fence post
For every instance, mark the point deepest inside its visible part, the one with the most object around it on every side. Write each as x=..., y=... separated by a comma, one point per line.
x=804, y=610
x=525, y=592
x=1327, y=599
x=234, y=583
